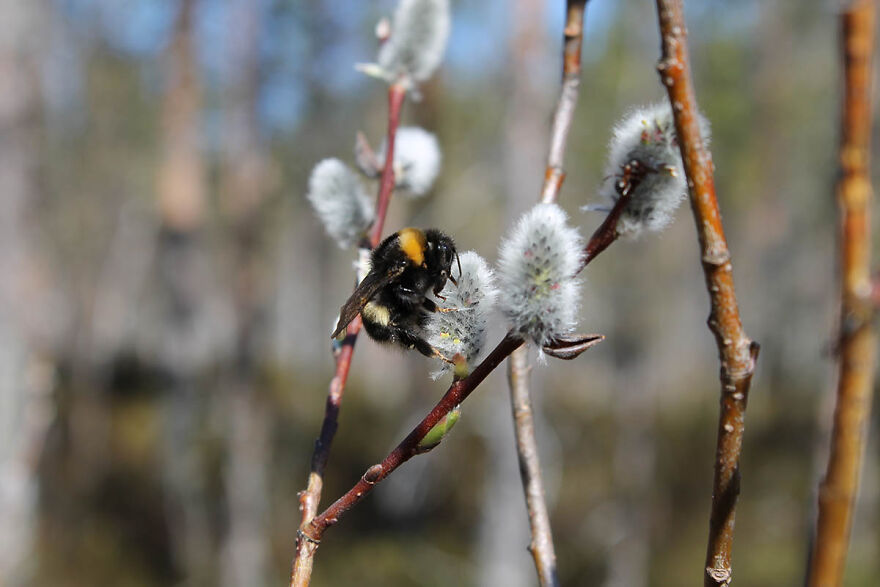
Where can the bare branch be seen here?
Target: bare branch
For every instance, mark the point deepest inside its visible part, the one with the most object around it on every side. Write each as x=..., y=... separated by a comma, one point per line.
x=564, y=114
x=311, y=496
x=312, y=532
x=837, y=493
x=737, y=353
x=541, y=545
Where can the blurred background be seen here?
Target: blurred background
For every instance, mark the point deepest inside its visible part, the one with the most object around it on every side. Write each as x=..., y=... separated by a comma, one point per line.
x=166, y=298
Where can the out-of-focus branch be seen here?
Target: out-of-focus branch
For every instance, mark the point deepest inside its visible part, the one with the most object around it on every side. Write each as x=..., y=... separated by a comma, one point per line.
x=541, y=545
x=565, y=106
x=737, y=353
x=837, y=492
x=311, y=496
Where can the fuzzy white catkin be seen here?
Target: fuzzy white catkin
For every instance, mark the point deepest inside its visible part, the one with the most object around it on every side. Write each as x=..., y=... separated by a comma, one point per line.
x=647, y=135
x=538, y=262
x=416, y=160
x=339, y=200
x=419, y=32
x=463, y=331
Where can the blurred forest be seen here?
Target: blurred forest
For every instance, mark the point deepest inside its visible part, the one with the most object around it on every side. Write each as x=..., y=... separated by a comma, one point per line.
x=167, y=295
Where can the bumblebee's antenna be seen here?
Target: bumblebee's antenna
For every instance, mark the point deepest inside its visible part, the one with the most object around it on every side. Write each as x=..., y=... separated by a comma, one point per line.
x=457, y=260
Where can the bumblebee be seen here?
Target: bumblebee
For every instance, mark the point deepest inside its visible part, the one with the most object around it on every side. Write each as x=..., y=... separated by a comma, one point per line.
x=392, y=299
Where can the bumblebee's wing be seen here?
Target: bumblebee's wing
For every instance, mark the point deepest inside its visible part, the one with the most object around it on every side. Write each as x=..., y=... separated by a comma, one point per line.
x=363, y=293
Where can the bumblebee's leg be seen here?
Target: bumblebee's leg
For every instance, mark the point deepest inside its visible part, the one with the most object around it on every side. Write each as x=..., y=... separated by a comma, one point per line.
x=394, y=333
x=413, y=341
x=430, y=306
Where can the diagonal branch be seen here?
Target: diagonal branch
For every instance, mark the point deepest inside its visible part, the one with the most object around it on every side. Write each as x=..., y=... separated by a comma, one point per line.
x=310, y=498
x=311, y=533
x=857, y=343
x=736, y=352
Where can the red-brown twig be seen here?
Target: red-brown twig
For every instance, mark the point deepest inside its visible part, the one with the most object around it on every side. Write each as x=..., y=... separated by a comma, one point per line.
x=541, y=545
x=459, y=391
x=607, y=231
x=837, y=492
x=737, y=353
x=311, y=496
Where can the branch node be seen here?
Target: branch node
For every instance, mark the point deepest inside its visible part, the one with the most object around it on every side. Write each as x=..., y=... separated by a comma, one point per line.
x=303, y=536
x=373, y=474
x=720, y=575
x=717, y=258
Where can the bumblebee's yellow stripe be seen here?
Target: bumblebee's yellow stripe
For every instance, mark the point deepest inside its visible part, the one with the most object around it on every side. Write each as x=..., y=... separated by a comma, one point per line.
x=412, y=242
x=377, y=313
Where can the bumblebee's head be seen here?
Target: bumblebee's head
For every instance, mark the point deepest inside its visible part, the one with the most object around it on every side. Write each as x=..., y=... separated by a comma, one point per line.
x=440, y=254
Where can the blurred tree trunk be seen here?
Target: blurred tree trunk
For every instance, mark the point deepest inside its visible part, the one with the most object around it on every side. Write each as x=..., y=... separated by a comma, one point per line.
x=503, y=534
x=24, y=399
x=633, y=470
x=246, y=549
x=184, y=341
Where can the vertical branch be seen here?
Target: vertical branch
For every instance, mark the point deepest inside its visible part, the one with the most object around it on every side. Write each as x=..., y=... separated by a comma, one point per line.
x=541, y=546
x=396, y=94
x=736, y=352
x=837, y=492
x=310, y=498
x=564, y=113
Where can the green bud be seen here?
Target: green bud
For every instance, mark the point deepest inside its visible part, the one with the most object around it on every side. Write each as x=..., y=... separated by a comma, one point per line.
x=461, y=368
x=439, y=431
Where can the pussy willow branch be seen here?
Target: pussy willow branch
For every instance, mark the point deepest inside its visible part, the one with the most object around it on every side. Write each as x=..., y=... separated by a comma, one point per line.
x=737, y=353
x=837, y=492
x=311, y=496
x=459, y=391
x=541, y=545
x=310, y=534
x=565, y=106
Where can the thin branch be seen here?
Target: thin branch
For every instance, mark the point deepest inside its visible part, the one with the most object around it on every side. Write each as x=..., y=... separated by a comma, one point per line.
x=837, y=493
x=737, y=353
x=607, y=231
x=565, y=106
x=310, y=498
x=541, y=545
x=396, y=94
x=311, y=533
